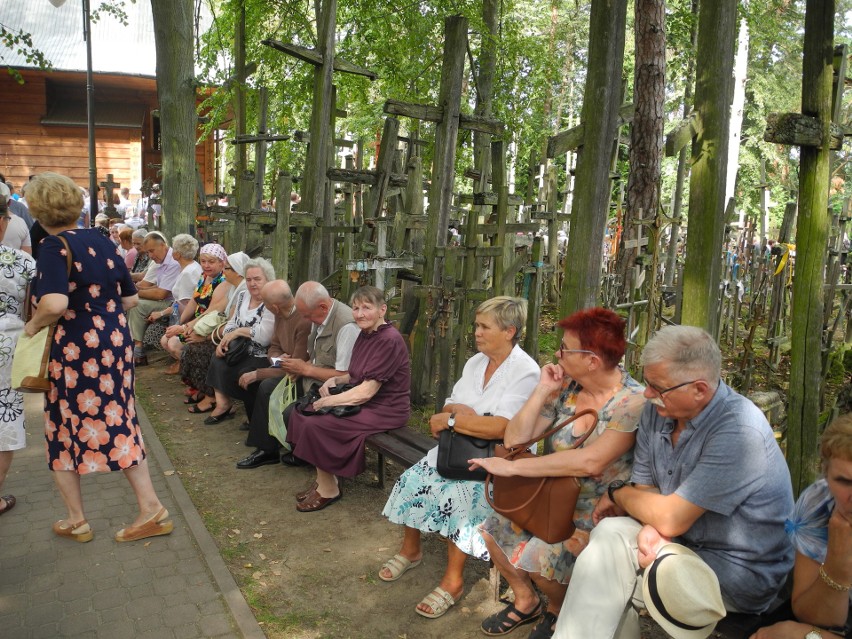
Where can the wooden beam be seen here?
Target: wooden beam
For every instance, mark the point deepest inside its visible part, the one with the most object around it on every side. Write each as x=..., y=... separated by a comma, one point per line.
x=250, y=139
x=800, y=130
x=683, y=133
x=353, y=176
x=571, y=139
x=305, y=138
x=430, y=113
x=251, y=67
x=313, y=57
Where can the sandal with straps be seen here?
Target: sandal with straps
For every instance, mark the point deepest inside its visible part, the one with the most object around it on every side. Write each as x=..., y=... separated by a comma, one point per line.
x=500, y=623
x=81, y=531
x=545, y=628
x=157, y=524
x=439, y=600
x=397, y=566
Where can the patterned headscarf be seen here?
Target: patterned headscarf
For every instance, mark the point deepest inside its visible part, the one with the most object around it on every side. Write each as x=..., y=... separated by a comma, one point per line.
x=214, y=250
x=237, y=261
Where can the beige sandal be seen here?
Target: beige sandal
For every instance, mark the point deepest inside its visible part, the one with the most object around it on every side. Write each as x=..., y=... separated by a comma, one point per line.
x=158, y=524
x=397, y=566
x=439, y=600
x=81, y=531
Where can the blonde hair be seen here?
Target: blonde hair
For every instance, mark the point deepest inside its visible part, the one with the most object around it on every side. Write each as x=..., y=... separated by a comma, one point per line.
x=508, y=312
x=836, y=440
x=54, y=200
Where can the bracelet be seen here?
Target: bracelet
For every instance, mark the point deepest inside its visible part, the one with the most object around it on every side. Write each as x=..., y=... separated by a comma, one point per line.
x=830, y=582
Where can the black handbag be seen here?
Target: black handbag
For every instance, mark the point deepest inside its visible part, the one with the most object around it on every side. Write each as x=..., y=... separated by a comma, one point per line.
x=305, y=403
x=455, y=448
x=239, y=349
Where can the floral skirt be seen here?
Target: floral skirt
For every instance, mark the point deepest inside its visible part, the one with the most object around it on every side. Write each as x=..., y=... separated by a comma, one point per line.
x=425, y=500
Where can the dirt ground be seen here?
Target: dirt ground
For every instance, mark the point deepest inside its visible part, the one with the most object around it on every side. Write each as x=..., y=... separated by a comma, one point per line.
x=307, y=575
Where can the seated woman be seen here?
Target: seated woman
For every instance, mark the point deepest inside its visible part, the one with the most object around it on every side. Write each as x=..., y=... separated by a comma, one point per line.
x=494, y=385
x=250, y=319
x=380, y=376
x=587, y=375
x=212, y=259
x=141, y=257
x=199, y=350
x=821, y=531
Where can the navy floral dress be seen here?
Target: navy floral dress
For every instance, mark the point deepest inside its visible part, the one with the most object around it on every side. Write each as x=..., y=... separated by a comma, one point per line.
x=90, y=414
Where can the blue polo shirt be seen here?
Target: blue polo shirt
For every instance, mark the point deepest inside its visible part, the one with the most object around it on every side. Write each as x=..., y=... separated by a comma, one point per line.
x=727, y=462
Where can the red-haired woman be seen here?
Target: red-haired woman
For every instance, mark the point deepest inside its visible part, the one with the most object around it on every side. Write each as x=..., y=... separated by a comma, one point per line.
x=587, y=375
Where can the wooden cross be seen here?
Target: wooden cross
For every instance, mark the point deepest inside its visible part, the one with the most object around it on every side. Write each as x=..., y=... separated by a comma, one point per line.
x=109, y=185
x=314, y=194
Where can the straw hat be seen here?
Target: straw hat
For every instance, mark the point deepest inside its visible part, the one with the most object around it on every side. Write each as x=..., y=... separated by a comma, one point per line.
x=682, y=593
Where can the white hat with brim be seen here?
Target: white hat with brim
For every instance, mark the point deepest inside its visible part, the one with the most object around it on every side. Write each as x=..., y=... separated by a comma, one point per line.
x=682, y=593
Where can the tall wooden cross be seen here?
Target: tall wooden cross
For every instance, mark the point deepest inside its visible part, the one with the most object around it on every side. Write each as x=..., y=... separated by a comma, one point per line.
x=109, y=185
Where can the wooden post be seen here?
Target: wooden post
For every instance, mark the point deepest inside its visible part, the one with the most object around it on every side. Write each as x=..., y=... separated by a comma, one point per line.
x=281, y=233
x=717, y=22
x=811, y=236
x=534, y=300
x=498, y=176
x=601, y=102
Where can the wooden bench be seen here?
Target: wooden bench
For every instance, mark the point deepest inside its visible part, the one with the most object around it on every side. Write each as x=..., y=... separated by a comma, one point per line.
x=403, y=445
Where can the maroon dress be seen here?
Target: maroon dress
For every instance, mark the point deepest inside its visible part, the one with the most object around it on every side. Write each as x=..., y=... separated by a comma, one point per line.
x=336, y=444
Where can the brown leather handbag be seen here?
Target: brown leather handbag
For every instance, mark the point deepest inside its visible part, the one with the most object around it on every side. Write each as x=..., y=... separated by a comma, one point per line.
x=544, y=506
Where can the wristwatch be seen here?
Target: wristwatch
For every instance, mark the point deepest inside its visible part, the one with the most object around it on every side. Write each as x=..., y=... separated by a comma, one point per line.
x=616, y=485
x=815, y=633
x=451, y=422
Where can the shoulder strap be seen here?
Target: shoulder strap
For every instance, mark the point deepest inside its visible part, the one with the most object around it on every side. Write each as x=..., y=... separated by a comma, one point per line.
x=580, y=441
x=67, y=253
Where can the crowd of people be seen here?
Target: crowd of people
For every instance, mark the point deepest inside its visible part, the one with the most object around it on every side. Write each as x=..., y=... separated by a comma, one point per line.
x=685, y=505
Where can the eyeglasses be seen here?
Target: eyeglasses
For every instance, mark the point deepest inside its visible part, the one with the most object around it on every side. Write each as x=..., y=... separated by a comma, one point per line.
x=564, y=350
x=670, y=388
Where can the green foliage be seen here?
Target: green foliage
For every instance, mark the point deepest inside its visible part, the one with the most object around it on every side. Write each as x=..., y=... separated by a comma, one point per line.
x=22, y=43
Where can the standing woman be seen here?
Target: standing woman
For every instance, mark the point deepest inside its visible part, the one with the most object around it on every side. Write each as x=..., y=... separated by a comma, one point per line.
x=90, y=413
x=16, y=270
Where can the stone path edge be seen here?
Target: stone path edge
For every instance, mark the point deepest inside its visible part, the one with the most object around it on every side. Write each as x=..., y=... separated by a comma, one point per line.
x=239, y=608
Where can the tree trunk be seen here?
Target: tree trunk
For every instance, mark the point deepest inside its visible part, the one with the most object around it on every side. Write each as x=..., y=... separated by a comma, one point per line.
x=811, y=237
x=173, y=29
x=601, y=101
x=646, y=132
x=705, y=232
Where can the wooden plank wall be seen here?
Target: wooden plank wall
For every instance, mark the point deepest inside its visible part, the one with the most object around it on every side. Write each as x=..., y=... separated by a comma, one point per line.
x=28, y=147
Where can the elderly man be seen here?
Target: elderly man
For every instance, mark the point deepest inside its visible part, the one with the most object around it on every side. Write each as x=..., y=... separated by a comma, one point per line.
x=329, y=347
x=708, y=475
x=153, y=295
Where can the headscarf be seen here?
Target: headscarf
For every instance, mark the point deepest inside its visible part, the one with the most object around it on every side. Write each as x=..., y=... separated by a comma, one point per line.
x=237, y=261
x=214, y=250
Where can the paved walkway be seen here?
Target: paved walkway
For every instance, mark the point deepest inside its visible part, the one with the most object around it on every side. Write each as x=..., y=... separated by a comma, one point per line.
x=170, y=587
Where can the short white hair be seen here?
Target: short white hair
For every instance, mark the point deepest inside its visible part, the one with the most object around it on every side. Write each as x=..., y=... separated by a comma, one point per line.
x=263, y=265
x=689, y=353
x=185, y=245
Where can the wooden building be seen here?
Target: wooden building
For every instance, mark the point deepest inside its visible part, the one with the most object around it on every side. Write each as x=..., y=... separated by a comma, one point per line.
x=44, y=120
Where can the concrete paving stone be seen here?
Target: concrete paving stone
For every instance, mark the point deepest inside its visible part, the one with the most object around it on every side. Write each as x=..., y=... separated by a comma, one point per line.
x=176, y=615
x=160, y=632
x=114, y=615
x=11, y=621
x=187, y=631
x=203, y=592
x=141, y=590
x=47, y=631
x=104, y=570
x=83, y=622
x=135, y=578
x=148, y=607
x=108, y=584
x=210, y=606
x=161, y=572
x=44, y=588
x=214, y=625
x=132, y=564
x=43, y=613
x=78, y=591
x=74, y=563
x=110, y=599
x=15, y=527
x=15, y=575
x=170, y=585
x=12, y=602
x=159, y=557
x=115, y=629
x=45, y=550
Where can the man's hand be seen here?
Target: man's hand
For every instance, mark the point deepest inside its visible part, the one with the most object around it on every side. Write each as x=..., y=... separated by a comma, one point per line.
x=787, y=630
x=606, y=508
x=649, y=541
x=295, y=366
x=246, y=379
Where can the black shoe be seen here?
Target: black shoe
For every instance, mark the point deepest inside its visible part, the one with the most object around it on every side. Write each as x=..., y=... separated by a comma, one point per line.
x=140, y=360
x=258, y=458
x=218, y=419
x=289, y=459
